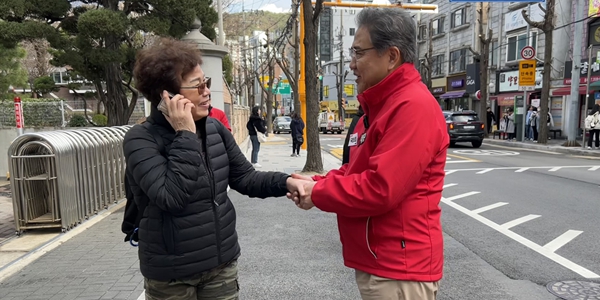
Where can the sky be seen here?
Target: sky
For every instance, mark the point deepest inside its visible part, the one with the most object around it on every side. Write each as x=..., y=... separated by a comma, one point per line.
x=276, y=6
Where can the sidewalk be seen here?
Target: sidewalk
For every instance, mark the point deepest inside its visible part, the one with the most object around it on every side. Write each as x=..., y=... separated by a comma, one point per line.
x=7, y=221
x=552, y=145
x=97, y=264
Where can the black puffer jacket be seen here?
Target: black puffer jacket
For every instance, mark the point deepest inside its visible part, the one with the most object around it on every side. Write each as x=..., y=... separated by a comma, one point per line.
x=189, y=224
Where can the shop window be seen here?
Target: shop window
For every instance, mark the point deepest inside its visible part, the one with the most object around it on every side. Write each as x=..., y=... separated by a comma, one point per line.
x=515, y=43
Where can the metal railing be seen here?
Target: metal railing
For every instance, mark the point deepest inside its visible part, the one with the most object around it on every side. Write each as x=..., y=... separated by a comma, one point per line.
x=60, y=178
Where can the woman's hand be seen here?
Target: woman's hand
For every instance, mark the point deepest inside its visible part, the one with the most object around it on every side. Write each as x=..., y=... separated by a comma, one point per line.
x=180, y=112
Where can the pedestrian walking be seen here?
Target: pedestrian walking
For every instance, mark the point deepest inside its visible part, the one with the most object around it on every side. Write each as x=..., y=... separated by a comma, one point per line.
x=594, y=127
x=297, y=129
x=387, y=196
x=179, y=164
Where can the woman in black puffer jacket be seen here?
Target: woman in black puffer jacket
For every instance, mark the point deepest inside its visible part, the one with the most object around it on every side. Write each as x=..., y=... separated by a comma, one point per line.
x=179, y=164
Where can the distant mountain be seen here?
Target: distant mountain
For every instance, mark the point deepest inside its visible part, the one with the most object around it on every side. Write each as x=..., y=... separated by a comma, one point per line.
x=240, y=24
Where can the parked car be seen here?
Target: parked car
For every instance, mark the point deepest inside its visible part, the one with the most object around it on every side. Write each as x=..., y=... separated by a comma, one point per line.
x=464, y=126
x=328, y=123
x=282, y=124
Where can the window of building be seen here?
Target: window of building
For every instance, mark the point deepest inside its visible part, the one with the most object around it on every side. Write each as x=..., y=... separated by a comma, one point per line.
x=458, y=61
x=437, y=26
x=57, y=77
x=422, y=32
x=515, y=43
x=437, y=65
x=495, y=50
x=352, y=31
x=459, y=17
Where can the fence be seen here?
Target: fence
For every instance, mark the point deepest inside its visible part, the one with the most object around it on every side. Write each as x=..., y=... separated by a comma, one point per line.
x=56, y=113
x=60, y=178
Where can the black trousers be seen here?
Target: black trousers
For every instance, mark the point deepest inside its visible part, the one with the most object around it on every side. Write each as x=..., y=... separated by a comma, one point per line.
x=594, y=133
x=295, y=146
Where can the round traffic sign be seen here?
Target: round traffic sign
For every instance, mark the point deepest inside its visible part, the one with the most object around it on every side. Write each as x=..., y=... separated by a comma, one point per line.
x=527, y=52
x=478, y=94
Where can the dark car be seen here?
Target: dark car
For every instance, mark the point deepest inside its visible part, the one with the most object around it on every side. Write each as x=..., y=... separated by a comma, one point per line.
x=464, y=126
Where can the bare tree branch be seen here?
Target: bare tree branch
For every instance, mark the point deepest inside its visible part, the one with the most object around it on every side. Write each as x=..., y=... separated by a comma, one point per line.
x=538, y=25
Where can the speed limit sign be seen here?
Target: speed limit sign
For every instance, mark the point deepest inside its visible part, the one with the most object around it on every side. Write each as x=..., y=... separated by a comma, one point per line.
x=527, y=52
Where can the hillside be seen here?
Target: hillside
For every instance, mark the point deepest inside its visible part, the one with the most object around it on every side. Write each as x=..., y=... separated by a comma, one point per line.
x=234, y=24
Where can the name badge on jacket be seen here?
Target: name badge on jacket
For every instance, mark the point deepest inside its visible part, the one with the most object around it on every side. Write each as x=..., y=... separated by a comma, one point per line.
x=353, y=140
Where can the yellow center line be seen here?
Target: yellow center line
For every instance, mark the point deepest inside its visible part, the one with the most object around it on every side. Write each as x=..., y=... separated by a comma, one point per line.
x=462, y=157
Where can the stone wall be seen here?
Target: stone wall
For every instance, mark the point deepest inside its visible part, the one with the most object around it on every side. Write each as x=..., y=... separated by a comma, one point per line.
x=238, y=123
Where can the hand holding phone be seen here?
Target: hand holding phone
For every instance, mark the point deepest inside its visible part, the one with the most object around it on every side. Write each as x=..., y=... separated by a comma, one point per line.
x=178, y=111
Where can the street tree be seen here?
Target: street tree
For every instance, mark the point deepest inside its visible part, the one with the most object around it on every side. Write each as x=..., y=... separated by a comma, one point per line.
x=44, y=85
x=99, y=38
x=314, y=160
x=11, y=71
x=37, y=62
x=427, y=63
x=291, y=66
x=267, y=66
x=547, y=27
x=483, y=58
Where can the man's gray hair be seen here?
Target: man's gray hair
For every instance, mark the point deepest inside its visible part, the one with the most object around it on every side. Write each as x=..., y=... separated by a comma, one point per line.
x=391, y=27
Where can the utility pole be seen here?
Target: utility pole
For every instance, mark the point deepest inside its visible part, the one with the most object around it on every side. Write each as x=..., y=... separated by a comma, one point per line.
x=221, y=37
x=485, y=39
x=523, y=134
x=341, y=76
x=574, y=103
x=297, y=105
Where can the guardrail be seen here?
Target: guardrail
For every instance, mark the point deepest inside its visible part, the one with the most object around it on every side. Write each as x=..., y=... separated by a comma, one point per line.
x=60, y=178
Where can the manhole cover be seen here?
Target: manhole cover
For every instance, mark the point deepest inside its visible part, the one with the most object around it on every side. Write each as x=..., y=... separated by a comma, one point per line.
x=575, y=290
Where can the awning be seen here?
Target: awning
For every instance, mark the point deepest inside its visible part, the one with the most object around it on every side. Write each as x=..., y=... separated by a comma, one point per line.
x=453, y=94
x=595, y=85
x=566, y=90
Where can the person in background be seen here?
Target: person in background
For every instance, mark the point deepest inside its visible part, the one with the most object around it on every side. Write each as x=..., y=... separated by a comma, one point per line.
x=595, y=129
x=528, y=130
x=255, y=125
x=296, y=128
x=491, y=119
x=218, y=114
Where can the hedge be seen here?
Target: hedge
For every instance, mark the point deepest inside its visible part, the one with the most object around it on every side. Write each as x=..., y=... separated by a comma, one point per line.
x=36, y=113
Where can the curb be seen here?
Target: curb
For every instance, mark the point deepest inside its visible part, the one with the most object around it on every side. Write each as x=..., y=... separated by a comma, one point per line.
x=559, y=149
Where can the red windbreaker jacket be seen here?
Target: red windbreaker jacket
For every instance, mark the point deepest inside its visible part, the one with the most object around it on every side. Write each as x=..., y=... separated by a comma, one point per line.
x=387, y=197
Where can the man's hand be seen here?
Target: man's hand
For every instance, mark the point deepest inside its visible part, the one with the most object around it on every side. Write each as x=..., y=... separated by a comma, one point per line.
x=302, y=177
x=295, y=187
x=303, y=201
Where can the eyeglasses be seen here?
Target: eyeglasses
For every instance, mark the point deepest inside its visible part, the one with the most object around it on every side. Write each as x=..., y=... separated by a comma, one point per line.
x=357, y=53
x=201, y=87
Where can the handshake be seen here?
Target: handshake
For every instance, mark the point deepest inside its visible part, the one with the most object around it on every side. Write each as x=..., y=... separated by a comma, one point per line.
x=300, y=190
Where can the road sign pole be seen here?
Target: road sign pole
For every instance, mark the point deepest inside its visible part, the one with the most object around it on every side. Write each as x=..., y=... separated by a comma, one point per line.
x=523, y=134
x=19, y=115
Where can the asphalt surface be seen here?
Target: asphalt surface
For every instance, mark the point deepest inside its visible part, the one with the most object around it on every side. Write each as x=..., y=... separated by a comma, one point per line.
x=532, y=215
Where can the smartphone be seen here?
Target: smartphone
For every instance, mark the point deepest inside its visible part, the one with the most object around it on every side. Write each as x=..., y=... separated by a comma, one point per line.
x=162, y=106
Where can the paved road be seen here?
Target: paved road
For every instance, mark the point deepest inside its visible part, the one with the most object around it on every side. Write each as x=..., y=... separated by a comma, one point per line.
x=532, y=215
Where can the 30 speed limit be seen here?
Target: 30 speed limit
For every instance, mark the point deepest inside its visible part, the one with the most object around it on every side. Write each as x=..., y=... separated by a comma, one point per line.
x=527, y=52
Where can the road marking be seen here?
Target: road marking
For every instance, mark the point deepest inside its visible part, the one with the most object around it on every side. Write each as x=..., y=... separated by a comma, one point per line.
x=335, y=146
x=330, y=139
x=586, y=157
x=485, y=171
x=459, y=161
x=524, y=149
x=562, y=240
x=525, y=242
x=486, y=152
x=339, y=153
x=449, y=185
x=462, y=196
x=489, y=207
x=522, y=169
x=519, y=221
x=462, y=157
x=554, y=169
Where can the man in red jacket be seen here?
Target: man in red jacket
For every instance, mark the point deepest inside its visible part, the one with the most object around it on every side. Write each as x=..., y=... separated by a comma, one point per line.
x=218, y=114
x=387, y=196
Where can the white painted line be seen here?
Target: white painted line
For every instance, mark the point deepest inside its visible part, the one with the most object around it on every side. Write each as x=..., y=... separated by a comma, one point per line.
x=562, y=240
x=459, y=161
x=484, y=171
x=523, y=241
x=519, y=221
x=489, y=207
x=524, y=149
x=554, y=169
x=449, y=185
x=594, y=168
x=461, y=196
x=142, y=296
x=521, y=170
x=450, y=172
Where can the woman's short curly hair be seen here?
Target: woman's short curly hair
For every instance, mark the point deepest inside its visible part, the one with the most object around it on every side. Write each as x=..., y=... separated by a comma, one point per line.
x=162, y=66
